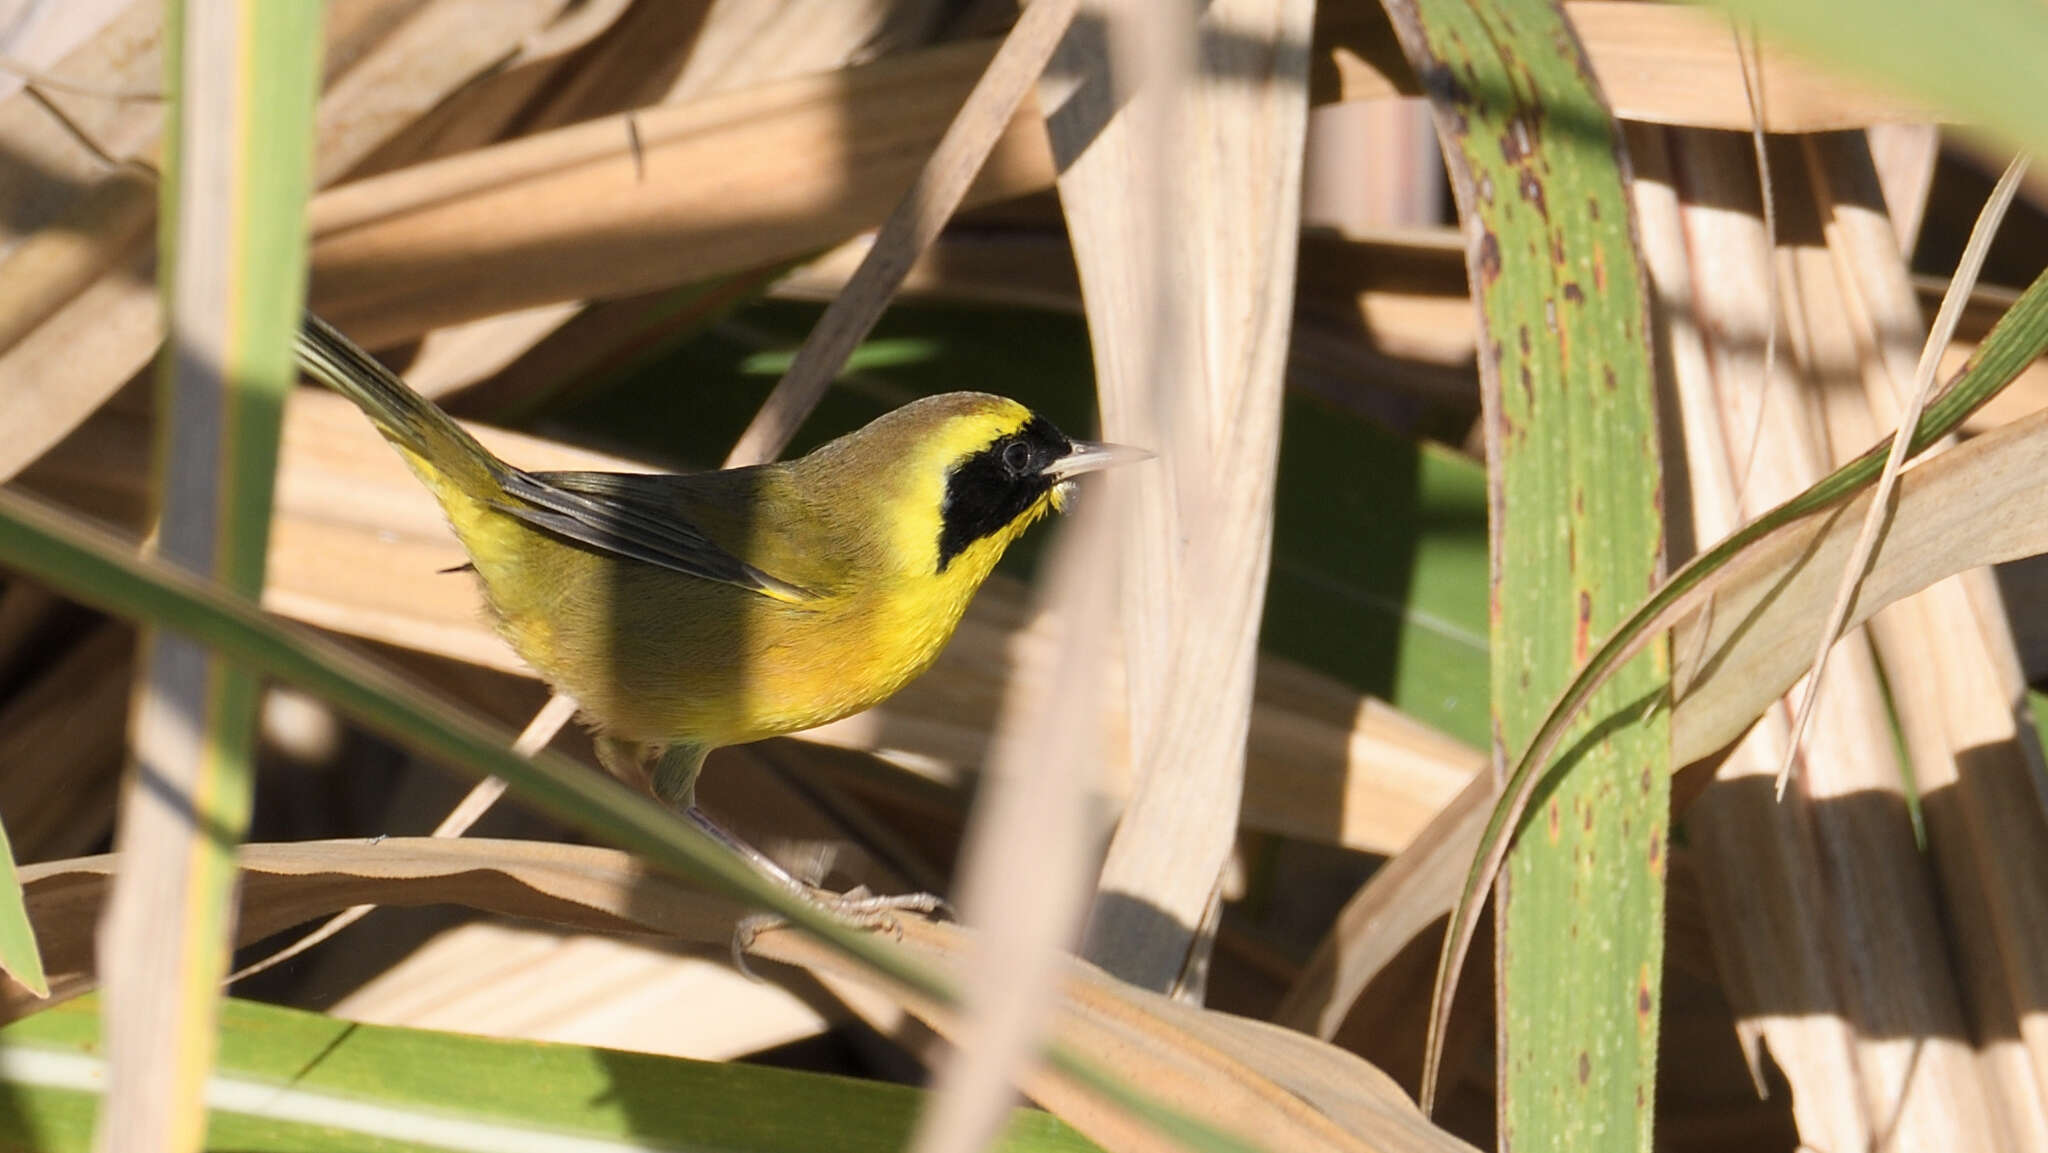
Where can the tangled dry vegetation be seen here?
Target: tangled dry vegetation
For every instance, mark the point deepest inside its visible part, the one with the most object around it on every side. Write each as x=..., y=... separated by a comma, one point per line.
x=1238, y=723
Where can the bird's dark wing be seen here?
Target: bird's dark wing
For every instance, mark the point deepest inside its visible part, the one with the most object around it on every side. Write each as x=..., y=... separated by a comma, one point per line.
x=634, y=515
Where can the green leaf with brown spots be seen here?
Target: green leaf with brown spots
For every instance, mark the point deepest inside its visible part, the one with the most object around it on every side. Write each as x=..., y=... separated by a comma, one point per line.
x=1576, y=540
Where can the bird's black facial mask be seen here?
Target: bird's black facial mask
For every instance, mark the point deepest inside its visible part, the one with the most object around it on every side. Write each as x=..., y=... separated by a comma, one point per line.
x=993, y=487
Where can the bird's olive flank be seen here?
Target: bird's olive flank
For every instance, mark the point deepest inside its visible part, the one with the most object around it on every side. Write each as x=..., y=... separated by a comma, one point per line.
x=994, y=485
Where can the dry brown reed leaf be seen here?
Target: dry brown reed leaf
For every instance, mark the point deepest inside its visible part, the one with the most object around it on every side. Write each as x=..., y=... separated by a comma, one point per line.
x=743, y=42
x=655, y=54
x=1656, y=63
x=62, y=143
x=290, y=884
x=515, y=88
x=1905, y=156
x=1890, y=318
x=536, y=983
x=971, y=137
x=75, y=298
x=1276, y=1088
x=448, y=360
x=1395, y=183
x=1377, y=306
x=474, y=804
x=1183, y=204
x=1405, y=291
x=563, y=350
x=358, y=545
x=1004, y=270
x=91, y=297
x=1954, y=682
x=1405, y=898
x=71, y=362
x=508, y=83
x=49, y=267
x=39, y=40
x=61, y=742
x=1873, y=1053
x=802, y=163
x=100, y=334
x=752, y=795
x=1764, y=909
x=402, y=74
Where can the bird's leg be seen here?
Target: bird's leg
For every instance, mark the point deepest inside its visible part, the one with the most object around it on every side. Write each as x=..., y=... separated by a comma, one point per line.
x=675, y=776
x=675, y=785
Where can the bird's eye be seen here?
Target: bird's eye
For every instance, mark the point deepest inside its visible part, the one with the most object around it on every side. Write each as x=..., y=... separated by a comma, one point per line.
x=1017, y=457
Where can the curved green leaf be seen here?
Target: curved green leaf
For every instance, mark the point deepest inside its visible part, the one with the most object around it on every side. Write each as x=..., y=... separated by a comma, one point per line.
x=18, y=952
x=296, y=1082
x=2019, y=338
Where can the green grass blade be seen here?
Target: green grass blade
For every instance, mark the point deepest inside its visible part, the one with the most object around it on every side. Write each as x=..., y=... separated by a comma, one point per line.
x=238, y=168
x=18, y=952
x=295, y=1082
x=1577, y=537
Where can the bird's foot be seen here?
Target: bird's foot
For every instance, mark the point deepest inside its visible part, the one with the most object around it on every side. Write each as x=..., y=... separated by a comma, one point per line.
x=744, y=935
x=857, y=908
x=866, y=910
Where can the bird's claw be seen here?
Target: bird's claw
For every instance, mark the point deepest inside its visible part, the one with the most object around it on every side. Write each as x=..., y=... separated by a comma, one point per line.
x=857, y=907
x=744, y=934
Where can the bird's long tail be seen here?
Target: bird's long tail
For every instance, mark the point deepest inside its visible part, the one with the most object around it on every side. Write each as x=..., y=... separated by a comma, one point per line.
x=445, y=456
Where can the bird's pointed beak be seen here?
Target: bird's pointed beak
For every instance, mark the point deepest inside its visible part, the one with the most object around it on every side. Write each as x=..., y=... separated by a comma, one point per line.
x=1091, y=456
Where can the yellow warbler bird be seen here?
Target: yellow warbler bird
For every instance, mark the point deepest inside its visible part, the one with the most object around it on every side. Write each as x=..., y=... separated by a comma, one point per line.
x=684, y=613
